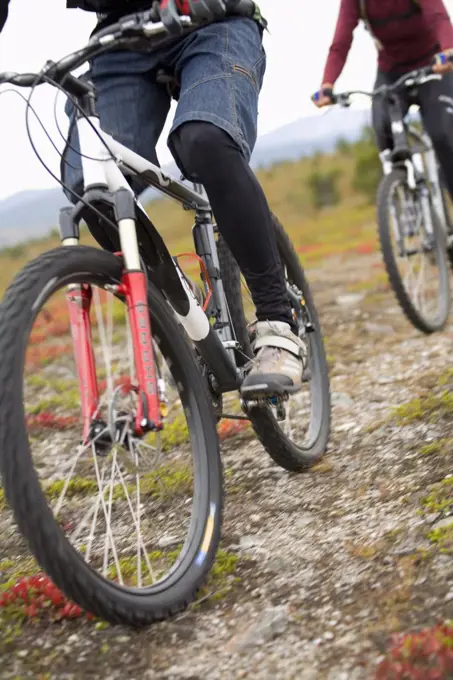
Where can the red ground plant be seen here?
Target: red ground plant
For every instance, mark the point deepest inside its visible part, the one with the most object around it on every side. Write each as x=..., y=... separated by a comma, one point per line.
x=230, y=428
x=366, y=248
x=423, y=655
x=40, y=355
x=36, y=596
x=49, y=421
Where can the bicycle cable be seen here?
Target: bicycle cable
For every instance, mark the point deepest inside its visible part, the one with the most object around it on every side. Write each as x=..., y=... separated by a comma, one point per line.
x=63, y=184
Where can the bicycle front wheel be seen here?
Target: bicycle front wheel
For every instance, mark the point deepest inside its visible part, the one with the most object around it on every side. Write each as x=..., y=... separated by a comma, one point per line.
x=414, y=253
x=126, y=525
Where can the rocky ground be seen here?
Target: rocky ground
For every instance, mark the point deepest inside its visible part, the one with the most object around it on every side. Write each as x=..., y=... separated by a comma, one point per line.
x=330, y=562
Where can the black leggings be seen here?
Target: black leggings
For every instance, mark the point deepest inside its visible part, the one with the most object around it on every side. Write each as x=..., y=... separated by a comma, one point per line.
x=435, y=99
x=210, y=156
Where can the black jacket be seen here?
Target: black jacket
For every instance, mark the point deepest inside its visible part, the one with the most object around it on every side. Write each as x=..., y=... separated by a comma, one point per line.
x=125, y=7
x=128, y=7
x=3, y=12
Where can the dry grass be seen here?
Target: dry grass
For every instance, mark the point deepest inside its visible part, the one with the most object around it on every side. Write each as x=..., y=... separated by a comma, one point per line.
x=316, y=234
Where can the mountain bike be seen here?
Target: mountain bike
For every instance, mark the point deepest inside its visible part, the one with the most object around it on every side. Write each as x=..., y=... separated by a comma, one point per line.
x=414, y=225
x=171, y=353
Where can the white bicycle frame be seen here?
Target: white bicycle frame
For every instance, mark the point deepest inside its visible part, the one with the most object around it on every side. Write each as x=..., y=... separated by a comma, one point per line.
x=104, y=164
x=429, y=161
x=101, y=157
x=428, y=165
x=432, y=174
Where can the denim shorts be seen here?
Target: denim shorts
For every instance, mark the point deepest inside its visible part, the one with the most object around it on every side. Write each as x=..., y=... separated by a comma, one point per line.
x=220, y=70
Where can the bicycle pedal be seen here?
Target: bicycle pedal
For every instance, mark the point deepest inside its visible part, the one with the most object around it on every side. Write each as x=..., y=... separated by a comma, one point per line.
x=411, y=251
x=275, y=401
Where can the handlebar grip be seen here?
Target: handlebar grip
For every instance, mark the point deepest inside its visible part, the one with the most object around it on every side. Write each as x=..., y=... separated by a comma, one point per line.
x=19, y=79
x=7, y=77
x=326, y=92
x=442, y=58
x=71, y=84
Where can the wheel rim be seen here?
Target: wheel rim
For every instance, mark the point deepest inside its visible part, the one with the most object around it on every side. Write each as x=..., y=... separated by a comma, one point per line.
x=416, y=253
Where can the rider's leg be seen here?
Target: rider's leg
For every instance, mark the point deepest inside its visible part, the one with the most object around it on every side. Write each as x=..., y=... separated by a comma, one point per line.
x=132, y=107
x=436, y=105
x=212, y=157
x=380, y=115
x=214, y=131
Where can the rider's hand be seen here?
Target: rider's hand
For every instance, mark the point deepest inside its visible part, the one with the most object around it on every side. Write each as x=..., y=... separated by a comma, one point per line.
x=198, y=10
x=324, y=96
x=442, y=63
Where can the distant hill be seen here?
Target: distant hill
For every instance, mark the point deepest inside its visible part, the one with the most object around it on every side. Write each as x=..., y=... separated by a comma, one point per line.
x=32, y=214
x=305, y=136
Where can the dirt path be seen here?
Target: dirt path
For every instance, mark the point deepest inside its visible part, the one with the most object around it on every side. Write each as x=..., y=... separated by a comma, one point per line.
x=330, y=562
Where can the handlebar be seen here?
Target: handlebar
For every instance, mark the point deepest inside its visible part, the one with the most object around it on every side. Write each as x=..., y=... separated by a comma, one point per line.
x=123, y=33
x=408, y=80
x=130, y=31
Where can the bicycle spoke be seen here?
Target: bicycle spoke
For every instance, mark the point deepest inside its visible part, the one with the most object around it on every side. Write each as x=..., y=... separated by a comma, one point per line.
x=112, y=491
x=414, y=256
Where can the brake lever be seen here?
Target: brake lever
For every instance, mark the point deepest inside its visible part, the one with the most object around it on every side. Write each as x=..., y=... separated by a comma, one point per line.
x=343, y=100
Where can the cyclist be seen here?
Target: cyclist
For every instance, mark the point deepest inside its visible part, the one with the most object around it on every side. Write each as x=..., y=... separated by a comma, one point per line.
x=219, y=69
x=408, y=34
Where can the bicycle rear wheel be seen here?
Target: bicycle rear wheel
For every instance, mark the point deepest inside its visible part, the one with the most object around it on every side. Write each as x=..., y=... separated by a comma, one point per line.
x=73, y=506
x=415, y=259
x=448, y=209
x=297, y=439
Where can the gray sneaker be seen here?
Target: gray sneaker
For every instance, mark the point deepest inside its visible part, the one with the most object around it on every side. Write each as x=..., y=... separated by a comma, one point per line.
x=280, y=360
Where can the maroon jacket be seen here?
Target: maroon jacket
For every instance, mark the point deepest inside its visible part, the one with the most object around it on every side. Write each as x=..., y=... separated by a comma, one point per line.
x=409, y=40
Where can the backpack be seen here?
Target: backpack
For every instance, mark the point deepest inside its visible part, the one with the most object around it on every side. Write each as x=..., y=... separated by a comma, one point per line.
x=415, y=8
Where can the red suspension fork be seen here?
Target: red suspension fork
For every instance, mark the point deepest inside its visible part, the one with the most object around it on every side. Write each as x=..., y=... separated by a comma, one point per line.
x=79, y=303
x=148, y=411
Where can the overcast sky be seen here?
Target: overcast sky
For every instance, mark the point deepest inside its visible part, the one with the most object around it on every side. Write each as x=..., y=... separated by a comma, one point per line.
x=300, y=36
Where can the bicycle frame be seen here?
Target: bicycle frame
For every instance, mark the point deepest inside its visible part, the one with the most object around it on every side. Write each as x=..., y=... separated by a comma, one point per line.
x=403, y=153
x=423, y=145
x=105, y=163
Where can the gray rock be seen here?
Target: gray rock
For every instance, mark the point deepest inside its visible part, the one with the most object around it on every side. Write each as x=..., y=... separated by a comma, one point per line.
x=177, y=672
x=335, y=675
x=249, y=541
x=168, y=541
x=379, y=328
x=341, y=399
x=350, y=299
x=272, y=623
x=388, y=379
x=345, y=427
